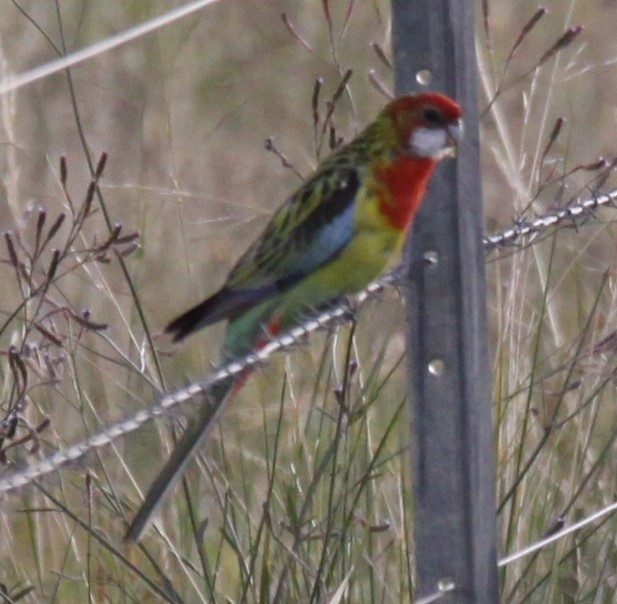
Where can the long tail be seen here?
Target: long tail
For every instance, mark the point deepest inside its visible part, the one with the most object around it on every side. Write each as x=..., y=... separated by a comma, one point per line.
x=205, y=313
x=181, y=456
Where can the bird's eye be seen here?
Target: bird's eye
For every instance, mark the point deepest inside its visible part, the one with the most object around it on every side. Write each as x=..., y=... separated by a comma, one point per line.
x=433, y=116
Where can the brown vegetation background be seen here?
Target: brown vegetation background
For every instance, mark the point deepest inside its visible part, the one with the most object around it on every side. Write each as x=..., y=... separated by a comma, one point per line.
x=183, y=114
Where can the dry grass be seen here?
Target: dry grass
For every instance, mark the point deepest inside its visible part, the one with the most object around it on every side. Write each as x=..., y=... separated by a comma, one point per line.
x=320, y=436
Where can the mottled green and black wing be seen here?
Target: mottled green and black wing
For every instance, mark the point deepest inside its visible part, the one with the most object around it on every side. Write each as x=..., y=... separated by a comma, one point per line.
x=309, y=229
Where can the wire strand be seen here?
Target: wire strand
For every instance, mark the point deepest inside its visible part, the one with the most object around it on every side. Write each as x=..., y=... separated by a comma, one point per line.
x=14, y=82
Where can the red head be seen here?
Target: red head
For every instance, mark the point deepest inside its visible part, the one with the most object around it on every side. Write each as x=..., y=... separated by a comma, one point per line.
x=426, y=125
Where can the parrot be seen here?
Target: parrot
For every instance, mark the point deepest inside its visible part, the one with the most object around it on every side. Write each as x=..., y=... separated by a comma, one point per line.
x=338, y=232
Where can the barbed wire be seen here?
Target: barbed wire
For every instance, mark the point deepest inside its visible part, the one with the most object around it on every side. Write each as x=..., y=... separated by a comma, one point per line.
x=446, y=586
x=542, y=543
x=339, y=314
x=176, y=398
x=531, y=228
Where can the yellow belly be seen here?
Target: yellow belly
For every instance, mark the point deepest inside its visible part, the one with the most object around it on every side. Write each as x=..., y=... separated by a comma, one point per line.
x=363, y=260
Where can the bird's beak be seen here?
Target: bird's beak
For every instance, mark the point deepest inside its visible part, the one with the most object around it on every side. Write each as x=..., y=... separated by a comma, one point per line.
x=454, y=132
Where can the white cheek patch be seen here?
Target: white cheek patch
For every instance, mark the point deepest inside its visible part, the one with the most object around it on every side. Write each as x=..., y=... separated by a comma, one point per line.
x=430, y=142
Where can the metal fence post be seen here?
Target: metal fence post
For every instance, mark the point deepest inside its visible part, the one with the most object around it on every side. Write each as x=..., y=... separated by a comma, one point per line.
x=452, y=440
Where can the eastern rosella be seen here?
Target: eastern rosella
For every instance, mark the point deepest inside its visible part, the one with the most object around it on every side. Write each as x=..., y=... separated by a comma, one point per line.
x=333, y=236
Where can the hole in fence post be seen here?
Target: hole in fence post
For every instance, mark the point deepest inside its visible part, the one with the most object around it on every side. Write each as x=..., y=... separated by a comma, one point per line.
x=424, y=77
x=445, y=585
x=436, y=367
x=431, y=258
